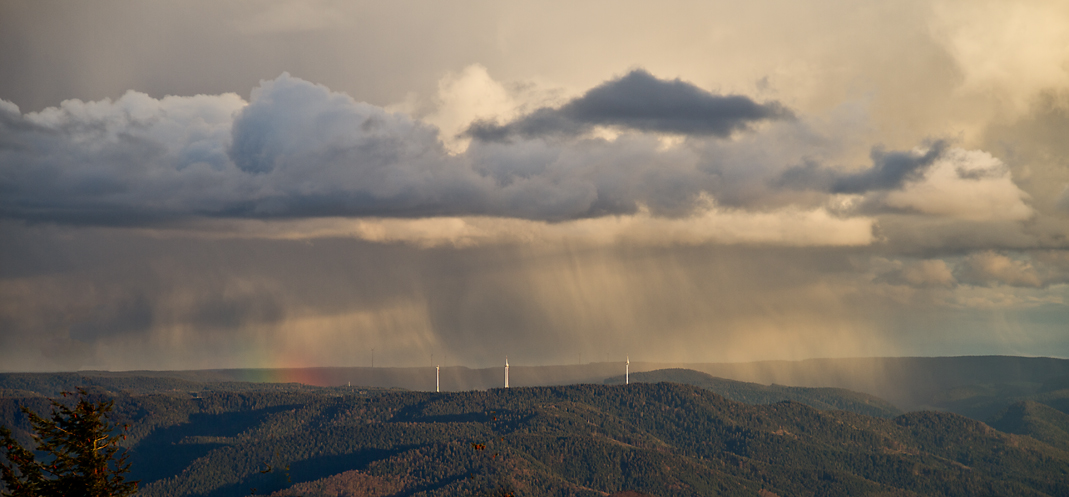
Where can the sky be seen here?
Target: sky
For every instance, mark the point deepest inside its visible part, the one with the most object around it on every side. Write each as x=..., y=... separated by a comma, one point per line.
x=276, y=183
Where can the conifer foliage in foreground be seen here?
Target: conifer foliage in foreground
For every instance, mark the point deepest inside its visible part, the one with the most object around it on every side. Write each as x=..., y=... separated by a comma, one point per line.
x=83, y=457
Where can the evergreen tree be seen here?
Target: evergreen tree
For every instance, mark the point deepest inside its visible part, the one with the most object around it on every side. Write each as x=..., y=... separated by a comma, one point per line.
x=82, y=460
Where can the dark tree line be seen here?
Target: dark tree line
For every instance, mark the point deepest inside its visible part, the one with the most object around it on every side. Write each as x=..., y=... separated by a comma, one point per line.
x=80, y=454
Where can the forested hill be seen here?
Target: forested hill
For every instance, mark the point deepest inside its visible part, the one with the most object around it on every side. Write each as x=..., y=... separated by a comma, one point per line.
x=663, y=439
x=908, y=382
x=753, y=393
x=978, y=387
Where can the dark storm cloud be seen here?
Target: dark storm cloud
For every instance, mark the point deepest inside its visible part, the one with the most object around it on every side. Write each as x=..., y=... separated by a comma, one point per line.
x=641, y=102
x=889, y=171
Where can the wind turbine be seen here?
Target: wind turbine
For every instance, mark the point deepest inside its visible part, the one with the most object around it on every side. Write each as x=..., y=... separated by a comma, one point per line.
x=506, y=371
x=627, y=371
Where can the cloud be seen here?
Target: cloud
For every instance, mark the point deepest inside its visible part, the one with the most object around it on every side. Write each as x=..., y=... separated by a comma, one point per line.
x=709, y=225
x=465, y=97
x=196, y=302
x=299, y=150
x=921, y=274
x=298, y=225
x=890, y=170
x=471, y=95
x=639, y=101
x=306, y=151
x=1052, y=265
x=963, y=184
x=1062, y=202
x=941, y=181
x=990, y=268
x=130, y=161
x=1012, y=50
x=1030, y=269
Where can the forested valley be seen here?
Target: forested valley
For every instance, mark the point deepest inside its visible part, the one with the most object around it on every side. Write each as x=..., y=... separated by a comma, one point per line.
x=190, y=438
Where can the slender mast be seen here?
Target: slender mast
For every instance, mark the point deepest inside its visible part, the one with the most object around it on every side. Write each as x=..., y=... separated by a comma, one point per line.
x=627, y=371
x=506, y=371
x=437, y=380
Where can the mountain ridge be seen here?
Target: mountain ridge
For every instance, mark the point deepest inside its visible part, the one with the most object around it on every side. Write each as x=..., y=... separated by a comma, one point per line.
x=663, y=439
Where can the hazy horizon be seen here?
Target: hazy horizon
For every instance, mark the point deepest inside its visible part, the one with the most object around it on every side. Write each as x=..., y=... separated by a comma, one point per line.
x=485, y=366
x=230, y=184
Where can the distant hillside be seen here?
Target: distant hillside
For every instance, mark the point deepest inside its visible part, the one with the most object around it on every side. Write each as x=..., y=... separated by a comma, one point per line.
x=53, y=384
x=662, y=439
x=1054, y=384
x=978, y=387
x=453, y=378
x=752, y=393
x=910, y=383
x=1036, y=420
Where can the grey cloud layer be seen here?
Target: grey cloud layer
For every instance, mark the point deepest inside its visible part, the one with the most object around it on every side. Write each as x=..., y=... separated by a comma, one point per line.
x=639, y=101
x=315, y=153
x=299, y=150
x=295, y=150
x=117, y=299
x=985, y=268
x=969, y=254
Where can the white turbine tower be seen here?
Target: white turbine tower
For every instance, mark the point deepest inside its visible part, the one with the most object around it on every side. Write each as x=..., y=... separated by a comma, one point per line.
x=506, y=371
x=437, y=380
x=627, y=371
